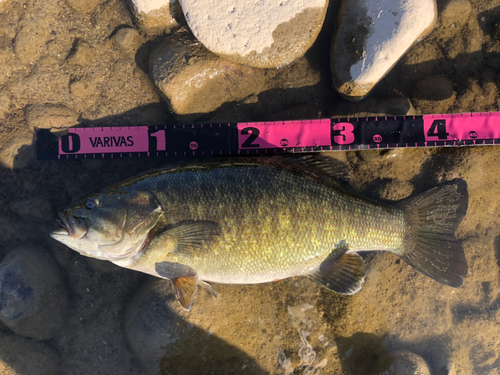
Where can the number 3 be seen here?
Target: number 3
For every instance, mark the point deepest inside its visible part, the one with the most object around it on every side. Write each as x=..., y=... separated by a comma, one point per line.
x=346, y=136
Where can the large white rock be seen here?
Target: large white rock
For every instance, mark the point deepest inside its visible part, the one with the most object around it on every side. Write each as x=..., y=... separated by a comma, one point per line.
x=372, y=36
x=262, y=34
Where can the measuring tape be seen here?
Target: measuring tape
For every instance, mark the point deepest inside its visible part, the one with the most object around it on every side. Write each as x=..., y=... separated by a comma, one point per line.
x=275, y=137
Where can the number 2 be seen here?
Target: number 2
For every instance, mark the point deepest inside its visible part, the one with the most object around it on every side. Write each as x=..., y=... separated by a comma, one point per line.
x=254, y=134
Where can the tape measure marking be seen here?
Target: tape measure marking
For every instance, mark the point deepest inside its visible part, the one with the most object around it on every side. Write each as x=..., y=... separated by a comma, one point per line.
x=270, y=137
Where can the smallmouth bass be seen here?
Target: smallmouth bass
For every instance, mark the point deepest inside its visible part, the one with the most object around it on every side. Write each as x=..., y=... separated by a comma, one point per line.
x=257, y=220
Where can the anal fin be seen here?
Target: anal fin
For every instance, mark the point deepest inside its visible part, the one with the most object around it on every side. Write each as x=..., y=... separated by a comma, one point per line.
x=343, y=274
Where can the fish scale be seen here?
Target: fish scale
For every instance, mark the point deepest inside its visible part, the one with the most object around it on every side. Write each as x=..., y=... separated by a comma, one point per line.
x=271, y=220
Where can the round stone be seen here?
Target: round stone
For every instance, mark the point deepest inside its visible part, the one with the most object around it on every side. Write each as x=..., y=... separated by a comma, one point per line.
x=195, y=81
x=33, y=300
x=262, y=34
x=407, y=363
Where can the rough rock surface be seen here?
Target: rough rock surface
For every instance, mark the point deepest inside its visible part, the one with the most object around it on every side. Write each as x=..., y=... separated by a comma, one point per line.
x=403, y=362
x=194, y=80
x=372, y=36
x=20, y=356
x=33, y=300
x=50, y=116
x=156, y=16
x=263, y=34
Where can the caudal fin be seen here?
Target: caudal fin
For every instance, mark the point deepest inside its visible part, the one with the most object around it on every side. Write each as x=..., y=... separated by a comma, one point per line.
x=430, y=243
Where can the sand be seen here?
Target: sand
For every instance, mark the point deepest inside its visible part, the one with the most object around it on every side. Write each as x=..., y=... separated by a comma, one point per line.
x=61, y=53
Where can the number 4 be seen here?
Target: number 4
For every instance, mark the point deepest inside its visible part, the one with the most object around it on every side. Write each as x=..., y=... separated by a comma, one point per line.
x=440, y=132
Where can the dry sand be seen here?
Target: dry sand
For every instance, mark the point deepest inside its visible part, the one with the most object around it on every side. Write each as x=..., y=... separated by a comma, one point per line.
x=60, y=52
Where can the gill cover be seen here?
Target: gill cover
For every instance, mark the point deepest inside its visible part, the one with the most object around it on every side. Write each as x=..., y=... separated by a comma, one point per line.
x=112, y=226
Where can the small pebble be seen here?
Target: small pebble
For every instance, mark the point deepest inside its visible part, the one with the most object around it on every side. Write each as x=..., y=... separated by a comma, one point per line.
x=33, y=300
x=434, y=88
x=195, y=81
x=455, y=14
x=127, y=39
x=372, y=36
x=262, y=34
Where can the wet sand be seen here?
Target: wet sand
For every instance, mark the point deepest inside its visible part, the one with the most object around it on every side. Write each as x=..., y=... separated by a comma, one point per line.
x=61, y=53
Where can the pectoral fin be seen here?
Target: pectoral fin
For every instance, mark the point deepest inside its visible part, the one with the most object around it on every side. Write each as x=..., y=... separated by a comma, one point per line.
x=189, y=237
x=185, y=289
x=343, y=274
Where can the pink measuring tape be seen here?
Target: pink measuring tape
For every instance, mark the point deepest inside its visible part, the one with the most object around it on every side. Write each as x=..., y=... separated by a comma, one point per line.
x=274, y=137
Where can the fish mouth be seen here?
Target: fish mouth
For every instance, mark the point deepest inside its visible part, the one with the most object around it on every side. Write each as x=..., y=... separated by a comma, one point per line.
x=71, y=227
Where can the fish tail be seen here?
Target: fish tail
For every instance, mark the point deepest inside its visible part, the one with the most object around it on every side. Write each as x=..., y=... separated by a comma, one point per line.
x=430, y=245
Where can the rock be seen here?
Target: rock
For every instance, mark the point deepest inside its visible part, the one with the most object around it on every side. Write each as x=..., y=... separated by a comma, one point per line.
x=262, y=34
x=405, y=363
x=162, y=336
x=156, y=16
x=22, y=356
x=84, y=6
x=194, y=80
x=4, y=104
x=374, y=107
x=434, y=88
x=372, y=36
x=81, y=54
x=455, y=14
x=101, y=265
x=17, y=151
x=126, y=39
x=33, y=300
x=50, y=116
x=38, y=208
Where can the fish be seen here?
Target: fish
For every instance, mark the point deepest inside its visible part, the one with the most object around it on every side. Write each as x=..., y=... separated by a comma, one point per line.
x=258, y=220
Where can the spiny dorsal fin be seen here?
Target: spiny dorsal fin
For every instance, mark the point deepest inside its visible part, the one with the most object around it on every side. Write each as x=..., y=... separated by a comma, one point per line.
x=344, y=274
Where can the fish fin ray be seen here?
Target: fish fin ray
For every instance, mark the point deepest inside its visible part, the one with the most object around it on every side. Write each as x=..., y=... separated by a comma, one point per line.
x=171, y=270
x=342, y=274
x=430, y=245
x=185, y=289
x=191, y=236
x=208, y=287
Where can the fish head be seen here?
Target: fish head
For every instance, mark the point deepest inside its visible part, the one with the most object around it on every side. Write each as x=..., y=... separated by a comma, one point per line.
x=110, y=226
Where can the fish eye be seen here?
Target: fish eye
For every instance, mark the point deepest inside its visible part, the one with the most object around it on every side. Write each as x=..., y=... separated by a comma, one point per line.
x=92, y=203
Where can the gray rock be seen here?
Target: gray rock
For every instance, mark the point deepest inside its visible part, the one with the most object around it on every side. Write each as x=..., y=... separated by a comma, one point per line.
x=406, y=363
x=156, y=16
x=50, y=116
x=33, y=300
x=371, y=38
x=164, y=338
x=38, y=208
x=262, y=34
x=194, y=80
x=22, y=356
x=434, y=88
x=127, y=39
